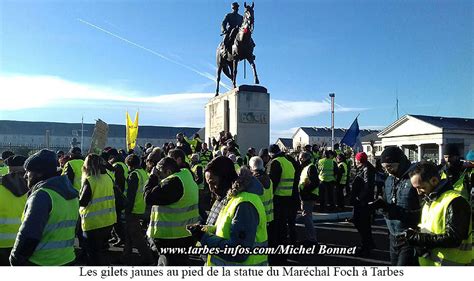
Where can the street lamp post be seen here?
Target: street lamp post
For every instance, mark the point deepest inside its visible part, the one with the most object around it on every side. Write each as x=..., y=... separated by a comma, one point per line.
x=332, y=95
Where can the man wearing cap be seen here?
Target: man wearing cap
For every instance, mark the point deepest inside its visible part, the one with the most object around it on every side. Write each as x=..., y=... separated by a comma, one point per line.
x=454, y=172
x=282, y=173
x=3, y=167
x=444, y=235
x=363, y=193
x=230, y=25
x=13, y=195
x=400, y=204
x=73, y=168
x=46, y=235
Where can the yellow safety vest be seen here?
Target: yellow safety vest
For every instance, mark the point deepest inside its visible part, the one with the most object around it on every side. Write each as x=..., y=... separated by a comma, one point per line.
x=326, y=170
x=267, y=200
x=433, y=220
x=11, y=209
x=344, y=175
x=195, y=171
x=4, y=170
x=304, y=178
x=459, y=185
x=56, y=246
x=100, y=212
x=139, y=204
x=169, y=221
x=285, y=186
x=224, y=223
x=76, y=165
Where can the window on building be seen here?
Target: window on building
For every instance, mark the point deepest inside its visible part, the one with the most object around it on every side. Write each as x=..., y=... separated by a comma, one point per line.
x=369, y=148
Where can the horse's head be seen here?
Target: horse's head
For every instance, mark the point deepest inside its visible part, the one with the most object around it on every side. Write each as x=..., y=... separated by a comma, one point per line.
x=247, y=24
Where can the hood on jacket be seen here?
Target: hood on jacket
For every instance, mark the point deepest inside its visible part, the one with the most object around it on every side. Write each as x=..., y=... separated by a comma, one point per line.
x=255, y=186
x=15, y=183
x=61, y=185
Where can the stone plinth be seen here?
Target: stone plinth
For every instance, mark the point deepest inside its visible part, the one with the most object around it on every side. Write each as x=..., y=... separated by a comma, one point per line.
x=244, y=112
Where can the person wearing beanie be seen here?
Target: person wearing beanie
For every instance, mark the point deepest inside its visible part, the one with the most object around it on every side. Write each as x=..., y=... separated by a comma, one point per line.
x=454, y=172
x=13, y=195
x=3, y=167
x=50, y=215
x=73, y=168
x=327, y=168
x=400, y=204
x=283, y=174
x=362, y=193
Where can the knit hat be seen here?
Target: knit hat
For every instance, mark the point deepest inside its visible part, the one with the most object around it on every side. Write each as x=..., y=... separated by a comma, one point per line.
x=392, y=154
x=470, y=155
x=452, y=150
x=6, y=154
x=75, y=150
x=43, y=161
x=361, y=157
x=15, y=161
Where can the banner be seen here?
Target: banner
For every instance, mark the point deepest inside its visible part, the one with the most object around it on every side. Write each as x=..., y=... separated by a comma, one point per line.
x=131, y=131
x=99, y=137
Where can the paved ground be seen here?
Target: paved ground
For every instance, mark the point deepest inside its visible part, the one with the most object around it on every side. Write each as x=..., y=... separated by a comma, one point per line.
x=332, y=230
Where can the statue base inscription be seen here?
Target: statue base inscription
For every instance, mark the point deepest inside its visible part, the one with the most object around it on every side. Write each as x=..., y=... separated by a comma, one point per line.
x=244, y=112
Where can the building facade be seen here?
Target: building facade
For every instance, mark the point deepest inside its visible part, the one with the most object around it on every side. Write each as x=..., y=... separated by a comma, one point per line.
x=424, y=137
x=62, y=136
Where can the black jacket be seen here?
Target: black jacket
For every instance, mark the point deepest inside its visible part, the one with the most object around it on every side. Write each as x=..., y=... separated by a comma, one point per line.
x=363, y=185
x=458, y=218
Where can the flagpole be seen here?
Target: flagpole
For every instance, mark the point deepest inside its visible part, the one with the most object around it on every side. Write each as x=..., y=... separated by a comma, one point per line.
x=82, y=133
x=332, y=95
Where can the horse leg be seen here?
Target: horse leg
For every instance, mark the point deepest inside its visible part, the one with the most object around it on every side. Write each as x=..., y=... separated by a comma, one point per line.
x=254, y=68
x=218, y=78
x=234, y=72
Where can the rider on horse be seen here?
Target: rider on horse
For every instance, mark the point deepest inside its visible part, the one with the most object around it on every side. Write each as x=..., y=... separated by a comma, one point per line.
x=230, y=27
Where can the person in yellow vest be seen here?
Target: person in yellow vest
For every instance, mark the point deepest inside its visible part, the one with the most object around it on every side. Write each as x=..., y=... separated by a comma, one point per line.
x=327, y=168
x=120, y=176
x=341, y=179
x=3, y=167
x=258, y=171
x=470, y=171
x=454, y=172
x=195, y=143
x=233, y=157
x=173, y=193
x=47, y=231
x=73, y=168
x=13, y=195
x=134, y=211
x=204, y=195
x=205, y=155
x=444, y=235
x=251, y=152
x=282, y=173
x=241, y=221
x=308, y=185
x=97, y=209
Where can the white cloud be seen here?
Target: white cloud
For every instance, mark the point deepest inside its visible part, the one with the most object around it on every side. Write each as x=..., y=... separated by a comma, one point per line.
x=27, y=92
x=39, y=96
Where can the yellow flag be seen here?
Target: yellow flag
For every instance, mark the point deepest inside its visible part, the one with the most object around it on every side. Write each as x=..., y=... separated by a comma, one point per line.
x=132, y=131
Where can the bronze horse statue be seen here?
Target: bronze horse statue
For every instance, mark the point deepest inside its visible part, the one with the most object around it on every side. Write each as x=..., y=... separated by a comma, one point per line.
x=242, y=49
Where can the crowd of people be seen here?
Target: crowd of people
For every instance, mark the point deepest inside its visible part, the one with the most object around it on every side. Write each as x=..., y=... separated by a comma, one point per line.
x=61, y=208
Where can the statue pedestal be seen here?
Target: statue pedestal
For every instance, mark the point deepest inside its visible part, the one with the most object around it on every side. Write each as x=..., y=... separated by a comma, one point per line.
x=245, y=113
